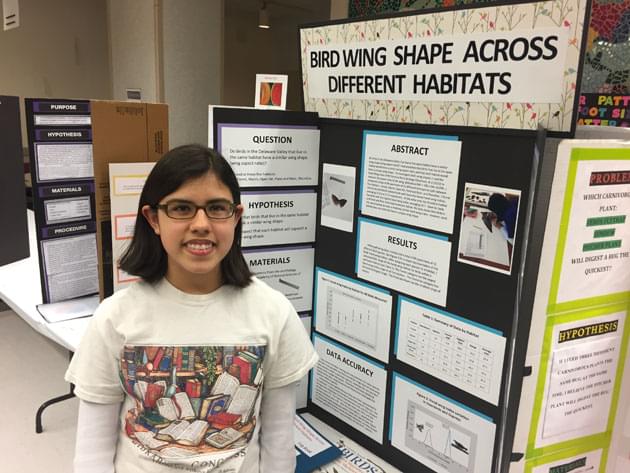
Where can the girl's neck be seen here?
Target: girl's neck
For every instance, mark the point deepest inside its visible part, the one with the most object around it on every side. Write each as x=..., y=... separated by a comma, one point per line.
x=196, y=285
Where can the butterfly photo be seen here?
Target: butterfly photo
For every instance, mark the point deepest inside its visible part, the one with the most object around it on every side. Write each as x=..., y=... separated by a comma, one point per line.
x=338, y=184
x=337, y=201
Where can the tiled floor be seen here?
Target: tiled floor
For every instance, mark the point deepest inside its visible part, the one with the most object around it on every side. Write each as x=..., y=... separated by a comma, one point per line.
x=32, y=369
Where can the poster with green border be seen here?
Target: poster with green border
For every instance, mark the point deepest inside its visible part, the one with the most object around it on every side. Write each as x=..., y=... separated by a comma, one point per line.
x=584, y=346
x=590, y=264
x=583, y=360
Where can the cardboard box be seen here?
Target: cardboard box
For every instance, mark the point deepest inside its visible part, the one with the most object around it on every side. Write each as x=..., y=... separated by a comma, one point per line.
x=122, y=132
x=12, y=189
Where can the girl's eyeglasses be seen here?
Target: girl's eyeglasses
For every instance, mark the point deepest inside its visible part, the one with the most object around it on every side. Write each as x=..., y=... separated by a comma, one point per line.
x=183, y=210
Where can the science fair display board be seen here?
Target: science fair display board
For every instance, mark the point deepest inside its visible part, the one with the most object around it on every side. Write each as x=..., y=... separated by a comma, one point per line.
x=12, y=192
x=71, y=143
x=574, y=407
x=415, y=294
x=426, y=261
x=62, y=173
x=126, y=181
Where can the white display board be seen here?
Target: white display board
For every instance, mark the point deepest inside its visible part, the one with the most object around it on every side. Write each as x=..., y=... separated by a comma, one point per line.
x=126, y=181
x=408, y=260
x=271, y=156
x=454, y=349
x=278, y=217
x=350, y=386
x=439, y=432
x=289, y=270
x=353, y=312
x=410, y=178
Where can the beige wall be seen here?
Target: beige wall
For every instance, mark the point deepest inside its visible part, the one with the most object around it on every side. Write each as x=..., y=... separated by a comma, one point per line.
x=132, y=30
x=60, y=50
x=192, y=42
x=173, y=51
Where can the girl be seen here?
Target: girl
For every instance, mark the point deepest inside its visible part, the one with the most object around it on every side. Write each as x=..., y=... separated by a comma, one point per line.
x=170, y=372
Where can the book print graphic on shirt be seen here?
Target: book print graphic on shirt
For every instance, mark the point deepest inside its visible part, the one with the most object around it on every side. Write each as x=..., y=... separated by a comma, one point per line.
x=191, y=401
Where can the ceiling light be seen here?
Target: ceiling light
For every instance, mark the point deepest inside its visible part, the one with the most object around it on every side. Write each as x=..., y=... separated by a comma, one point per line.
x=263, y=17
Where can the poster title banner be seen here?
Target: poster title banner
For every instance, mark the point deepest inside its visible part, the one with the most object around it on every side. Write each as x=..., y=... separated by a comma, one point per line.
x=485, y=67
x=501, y=66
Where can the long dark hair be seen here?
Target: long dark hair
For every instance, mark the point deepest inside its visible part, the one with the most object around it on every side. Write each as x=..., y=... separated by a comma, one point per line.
x=145, y=255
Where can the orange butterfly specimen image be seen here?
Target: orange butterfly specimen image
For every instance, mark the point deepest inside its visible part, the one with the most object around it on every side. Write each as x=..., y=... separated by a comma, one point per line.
x=271, y=91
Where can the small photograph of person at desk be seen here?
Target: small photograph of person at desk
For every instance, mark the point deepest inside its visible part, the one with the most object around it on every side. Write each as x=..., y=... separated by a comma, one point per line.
x=488, y=229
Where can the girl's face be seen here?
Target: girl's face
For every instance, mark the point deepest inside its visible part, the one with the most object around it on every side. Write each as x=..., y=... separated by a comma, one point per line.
x=195, y=247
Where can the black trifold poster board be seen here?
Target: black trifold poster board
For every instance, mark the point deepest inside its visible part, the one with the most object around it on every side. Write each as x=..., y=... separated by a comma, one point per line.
x=429, y=236
x=425, y=268
x=457, y=426
x=62, y=173
x=12, y=189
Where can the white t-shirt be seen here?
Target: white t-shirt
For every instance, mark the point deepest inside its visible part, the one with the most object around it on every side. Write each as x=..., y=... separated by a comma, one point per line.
x=190, y=370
